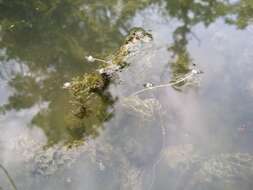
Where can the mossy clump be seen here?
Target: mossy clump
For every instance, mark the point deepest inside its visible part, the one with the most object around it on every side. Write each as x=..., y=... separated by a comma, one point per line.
x=86, y=91
x=87, y=83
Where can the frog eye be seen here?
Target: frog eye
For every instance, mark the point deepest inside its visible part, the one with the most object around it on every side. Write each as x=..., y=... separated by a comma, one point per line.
x=148, y=85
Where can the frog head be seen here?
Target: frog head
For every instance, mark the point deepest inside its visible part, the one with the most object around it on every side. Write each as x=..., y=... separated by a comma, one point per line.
x=138, y=34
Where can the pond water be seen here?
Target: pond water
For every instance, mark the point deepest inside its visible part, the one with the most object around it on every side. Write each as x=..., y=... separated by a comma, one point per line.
x=196, y=134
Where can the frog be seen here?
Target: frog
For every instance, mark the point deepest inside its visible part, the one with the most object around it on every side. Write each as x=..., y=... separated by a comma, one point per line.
x=90, y=88
x=118, y=60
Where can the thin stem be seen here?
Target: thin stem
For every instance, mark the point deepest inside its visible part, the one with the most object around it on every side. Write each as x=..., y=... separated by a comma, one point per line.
x=9, y=177
x=162, y=85
x=101, y=60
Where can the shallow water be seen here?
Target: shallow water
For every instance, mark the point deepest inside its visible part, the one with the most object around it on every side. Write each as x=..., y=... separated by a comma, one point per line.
x=196, y=135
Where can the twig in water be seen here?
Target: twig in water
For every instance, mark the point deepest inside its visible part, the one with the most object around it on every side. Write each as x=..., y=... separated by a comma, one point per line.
x=92, y=59
x=9, y=177
x=165, y=85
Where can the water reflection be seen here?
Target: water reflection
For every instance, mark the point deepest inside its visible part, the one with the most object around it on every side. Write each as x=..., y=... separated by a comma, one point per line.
x=54, y=56
x=73, y=29
x=188, y=136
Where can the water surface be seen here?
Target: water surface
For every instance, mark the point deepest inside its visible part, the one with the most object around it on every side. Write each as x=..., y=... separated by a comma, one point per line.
x=195, y=135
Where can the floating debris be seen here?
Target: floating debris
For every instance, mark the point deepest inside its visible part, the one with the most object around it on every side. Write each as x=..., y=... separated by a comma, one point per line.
x=101, y=166
x=68, y=180
x=66, y=85
x=188, y=77
x=12, y=26
x=145, y=107
x=148, y=85
x=90, y=58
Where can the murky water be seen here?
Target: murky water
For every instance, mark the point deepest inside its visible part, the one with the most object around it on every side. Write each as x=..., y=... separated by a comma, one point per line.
x=197, y=134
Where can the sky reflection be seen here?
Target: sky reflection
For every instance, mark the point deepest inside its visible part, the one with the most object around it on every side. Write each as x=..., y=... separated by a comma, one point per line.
x=194, y=133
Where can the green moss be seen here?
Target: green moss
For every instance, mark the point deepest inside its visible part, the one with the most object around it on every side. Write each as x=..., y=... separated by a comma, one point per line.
x=87, y=83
